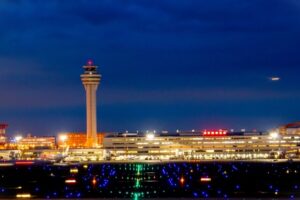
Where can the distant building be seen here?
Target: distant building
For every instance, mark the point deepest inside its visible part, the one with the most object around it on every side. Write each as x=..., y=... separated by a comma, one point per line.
x=290, y=129
x=77, y=140
x=201, y=145
x=2, y=135
x=34, y=142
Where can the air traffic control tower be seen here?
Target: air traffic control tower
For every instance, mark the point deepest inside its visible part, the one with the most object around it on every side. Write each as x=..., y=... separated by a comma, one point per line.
x=91, y=79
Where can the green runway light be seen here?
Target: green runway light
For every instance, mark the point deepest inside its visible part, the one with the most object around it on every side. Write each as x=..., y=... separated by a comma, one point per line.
x=139, y=169
x=137, y=183
x=135, y=196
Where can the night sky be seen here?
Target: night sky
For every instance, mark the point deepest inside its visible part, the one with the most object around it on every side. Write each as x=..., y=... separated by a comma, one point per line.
x=165, y=64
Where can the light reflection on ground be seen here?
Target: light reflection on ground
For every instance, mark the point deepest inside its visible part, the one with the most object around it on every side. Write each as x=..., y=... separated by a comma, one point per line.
x=153, y=180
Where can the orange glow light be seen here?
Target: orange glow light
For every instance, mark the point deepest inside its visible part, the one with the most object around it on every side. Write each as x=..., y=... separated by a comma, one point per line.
x=94, y=181
x=182, y=180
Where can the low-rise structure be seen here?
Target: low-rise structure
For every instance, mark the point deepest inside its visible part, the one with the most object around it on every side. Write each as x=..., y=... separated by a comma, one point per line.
x=33, y=142
x=218, y=144
x=3, y=137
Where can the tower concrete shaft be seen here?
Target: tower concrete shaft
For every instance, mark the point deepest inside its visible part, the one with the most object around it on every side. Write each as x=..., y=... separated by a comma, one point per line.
x=91, y=79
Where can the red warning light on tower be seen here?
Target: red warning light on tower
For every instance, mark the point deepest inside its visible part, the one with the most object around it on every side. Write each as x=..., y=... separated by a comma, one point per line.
x=90, y=62
x=220, y=132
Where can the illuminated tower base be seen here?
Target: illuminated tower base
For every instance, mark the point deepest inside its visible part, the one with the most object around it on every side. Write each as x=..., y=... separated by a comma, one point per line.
x=91, y=79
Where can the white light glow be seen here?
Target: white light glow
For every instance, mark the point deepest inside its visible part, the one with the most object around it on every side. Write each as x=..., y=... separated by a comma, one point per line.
x=274, y=135
x=63, y=137
x=18, y=138
x=150, y=136
x=70, y=181
x=274, y=78
x=23, y=196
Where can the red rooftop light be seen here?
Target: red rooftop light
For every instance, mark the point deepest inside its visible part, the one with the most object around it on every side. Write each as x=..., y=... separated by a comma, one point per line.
x=220, y=132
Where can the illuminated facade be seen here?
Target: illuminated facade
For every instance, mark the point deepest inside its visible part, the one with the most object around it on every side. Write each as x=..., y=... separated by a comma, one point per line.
x=84, y=155
x=34, y=142
x=292, y=128
x=91, y=79
x=204, y=145
x=77, y=140
x=2, y=135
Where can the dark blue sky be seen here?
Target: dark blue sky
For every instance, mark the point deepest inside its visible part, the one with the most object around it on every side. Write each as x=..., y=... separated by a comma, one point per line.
x=165, y=64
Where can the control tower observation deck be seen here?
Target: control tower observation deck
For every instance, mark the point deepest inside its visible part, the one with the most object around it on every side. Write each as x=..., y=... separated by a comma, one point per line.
x=91, y=79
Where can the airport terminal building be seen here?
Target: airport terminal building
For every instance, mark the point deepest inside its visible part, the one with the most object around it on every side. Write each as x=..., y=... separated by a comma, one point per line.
x=205, y=145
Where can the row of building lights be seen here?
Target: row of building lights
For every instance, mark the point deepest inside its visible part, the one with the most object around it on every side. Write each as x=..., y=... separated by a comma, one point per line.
x=215, y=133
